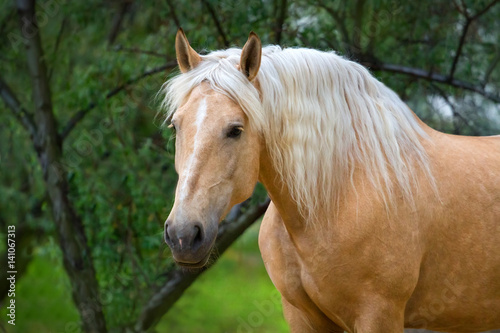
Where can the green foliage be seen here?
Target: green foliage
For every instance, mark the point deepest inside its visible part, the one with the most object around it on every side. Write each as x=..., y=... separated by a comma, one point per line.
x=119, y=159
x=43, y=303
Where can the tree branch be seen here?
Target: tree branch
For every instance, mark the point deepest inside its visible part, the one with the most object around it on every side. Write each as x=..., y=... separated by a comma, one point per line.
x=56, y=46
x=459, y=49
x=24, y=117
x=462, y=10
x=137, y=50
x=217, y=23
x=429, y=76
x=117, y=20
x=490, y=69
x=75, y=119
x=278, y=28
x=485, y=9
x=178, y=280
x=468, y=20
x=173, y=14
x=340, y=22
x=358, y=12
x=455, y=112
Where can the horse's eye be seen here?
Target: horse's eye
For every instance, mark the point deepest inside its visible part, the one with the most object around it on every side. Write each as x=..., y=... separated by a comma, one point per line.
x=235, y=132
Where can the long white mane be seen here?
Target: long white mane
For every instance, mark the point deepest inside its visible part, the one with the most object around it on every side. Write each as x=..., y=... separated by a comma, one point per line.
x=321, y=116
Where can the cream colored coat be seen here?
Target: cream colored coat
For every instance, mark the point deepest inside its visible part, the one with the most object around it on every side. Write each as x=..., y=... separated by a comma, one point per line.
x=364, y=264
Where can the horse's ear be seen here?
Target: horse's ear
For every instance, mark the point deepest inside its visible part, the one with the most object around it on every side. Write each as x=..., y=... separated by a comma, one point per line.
x=250, y=56
x=187, y=58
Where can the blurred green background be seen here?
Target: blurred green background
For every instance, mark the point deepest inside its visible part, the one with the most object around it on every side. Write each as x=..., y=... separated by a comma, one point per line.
x=235, y=295
x=105, y=63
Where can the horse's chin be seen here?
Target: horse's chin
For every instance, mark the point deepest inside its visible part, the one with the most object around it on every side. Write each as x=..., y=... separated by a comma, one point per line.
x=196, y=265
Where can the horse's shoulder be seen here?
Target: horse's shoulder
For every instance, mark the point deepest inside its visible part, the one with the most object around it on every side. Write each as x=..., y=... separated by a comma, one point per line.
x=272, y=231
x=277, y=250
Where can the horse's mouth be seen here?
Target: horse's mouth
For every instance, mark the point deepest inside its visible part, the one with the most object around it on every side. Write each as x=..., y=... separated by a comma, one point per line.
x=200, y=264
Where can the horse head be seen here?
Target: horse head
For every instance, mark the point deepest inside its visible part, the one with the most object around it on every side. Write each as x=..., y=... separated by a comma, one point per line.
x=216, y=157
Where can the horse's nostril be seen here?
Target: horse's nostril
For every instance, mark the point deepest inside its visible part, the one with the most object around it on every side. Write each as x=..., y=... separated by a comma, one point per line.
x=198, y=237
x=186, y=238
x=167, y=236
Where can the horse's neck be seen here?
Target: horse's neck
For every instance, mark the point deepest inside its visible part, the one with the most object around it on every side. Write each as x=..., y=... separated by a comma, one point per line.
x=300, y=230
x=279, y=194
x=295, y=222
x=359, y=192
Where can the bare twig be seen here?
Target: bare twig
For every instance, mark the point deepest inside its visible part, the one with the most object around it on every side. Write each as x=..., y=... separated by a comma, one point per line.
x=454, y=110
x=10, y=99
x=173, y=14
x=457, y=6
x=339, y=21
x=468, y=20
x=371, y=33
x=117, y=20
x=459, y=49
x=136, y=267
x=70, y=125
x=56, y=46
x=464, y=6
x=137, y=50
x=429, y=76
x=424, y=41
x=211, y=10
x=485, y=9
x=278, y=27
x=358, y=12
x=490, y=69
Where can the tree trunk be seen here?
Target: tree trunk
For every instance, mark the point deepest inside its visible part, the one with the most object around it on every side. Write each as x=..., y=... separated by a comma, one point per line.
x=76, y=253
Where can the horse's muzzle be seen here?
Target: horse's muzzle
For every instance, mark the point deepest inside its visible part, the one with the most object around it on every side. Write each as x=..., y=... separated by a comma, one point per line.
x=190, y=242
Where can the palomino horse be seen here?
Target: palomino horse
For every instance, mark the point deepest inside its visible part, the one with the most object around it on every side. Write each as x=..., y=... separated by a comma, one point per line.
x=377, y=221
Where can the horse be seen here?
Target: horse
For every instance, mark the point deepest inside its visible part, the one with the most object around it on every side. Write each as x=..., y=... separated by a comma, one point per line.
x=377, y=222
